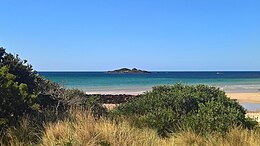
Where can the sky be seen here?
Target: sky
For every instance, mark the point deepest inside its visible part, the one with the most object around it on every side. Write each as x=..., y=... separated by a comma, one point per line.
x=156, y=35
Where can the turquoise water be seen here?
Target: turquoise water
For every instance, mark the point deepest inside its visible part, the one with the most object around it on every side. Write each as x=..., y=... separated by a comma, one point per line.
x=101, y=82
x=104, y=82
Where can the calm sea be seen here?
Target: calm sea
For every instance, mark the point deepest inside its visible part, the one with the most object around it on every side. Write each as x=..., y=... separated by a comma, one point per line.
x=105, y=82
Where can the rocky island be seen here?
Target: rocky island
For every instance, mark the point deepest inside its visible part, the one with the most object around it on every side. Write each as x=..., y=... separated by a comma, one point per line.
x=128, y=71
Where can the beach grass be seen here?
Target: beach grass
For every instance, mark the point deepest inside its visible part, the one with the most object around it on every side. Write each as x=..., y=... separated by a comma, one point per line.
x=84, y=129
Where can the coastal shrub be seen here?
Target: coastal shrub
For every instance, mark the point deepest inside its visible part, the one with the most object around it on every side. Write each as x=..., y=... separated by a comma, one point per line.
x=93, y=103
x=22, y=71
x=24, y=92
x=78, y=99
x=20, y=89
x=201, y=108
x=214, y=116
x=14, y=98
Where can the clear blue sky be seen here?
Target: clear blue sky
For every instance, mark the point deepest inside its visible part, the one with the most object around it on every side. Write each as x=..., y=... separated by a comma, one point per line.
x=147, y=34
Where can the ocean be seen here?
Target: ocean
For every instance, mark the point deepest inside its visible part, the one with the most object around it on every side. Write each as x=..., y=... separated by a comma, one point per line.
x=106, y=83
x=242, y=81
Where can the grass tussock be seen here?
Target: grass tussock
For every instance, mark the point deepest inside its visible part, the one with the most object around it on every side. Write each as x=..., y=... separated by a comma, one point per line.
x=24, y=134
x=237, y=136
x=85, y=130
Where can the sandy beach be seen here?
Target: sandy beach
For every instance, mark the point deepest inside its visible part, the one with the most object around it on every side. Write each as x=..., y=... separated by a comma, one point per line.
x=245, y=97
x=116, y=92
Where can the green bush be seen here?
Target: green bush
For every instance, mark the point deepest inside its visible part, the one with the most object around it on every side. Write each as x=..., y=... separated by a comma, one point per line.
x=214, y=116
x=201, y=108
x=22, y=71
x=23, y=91
x=78, y=98
x=93, y=103
x=14, y=98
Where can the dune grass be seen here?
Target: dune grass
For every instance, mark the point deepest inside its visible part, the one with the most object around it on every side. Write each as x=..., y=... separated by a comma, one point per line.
x=85, y=130
x=26, y=133
x=237, y=136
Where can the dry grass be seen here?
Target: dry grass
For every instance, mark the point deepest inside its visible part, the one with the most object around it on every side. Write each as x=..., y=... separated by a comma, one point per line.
x=84, y=130
x=236, y=137
x=27, y=133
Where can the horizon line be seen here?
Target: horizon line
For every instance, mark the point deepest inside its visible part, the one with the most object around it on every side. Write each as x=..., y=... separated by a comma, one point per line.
x=152, y=70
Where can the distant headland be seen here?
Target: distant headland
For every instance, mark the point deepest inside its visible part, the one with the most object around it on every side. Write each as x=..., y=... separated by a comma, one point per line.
x=128, y=71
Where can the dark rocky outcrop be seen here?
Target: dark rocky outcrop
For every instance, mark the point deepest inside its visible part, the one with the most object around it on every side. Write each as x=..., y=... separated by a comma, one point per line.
x=128, y=71
x=114, y=99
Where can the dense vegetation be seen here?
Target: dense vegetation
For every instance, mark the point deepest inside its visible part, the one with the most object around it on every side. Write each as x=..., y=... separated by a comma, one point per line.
x=83, y=129
x=24, y=93
x=201, y=108
x=35, y=111
x=18, y=90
